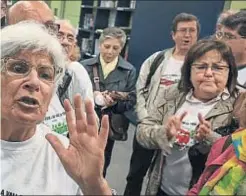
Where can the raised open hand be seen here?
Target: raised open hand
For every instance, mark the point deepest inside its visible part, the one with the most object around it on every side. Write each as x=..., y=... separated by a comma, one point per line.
x=83, y=160
x=204, y=128
x=173, y=125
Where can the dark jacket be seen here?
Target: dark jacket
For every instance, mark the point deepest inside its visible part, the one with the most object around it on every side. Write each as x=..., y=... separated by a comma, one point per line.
x=123, y=79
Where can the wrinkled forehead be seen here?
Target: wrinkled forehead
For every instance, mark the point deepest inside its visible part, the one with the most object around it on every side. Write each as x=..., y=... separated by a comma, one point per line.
x=187, y=24
x=66, y=28
x=34, y=56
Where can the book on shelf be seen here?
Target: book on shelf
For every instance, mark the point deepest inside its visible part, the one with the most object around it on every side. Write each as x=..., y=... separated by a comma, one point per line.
x=112, y=18
x=96, y=48
x=133, y=4
x=99, y=31
x=109, y=4
x=86, y=45
x=88, y=21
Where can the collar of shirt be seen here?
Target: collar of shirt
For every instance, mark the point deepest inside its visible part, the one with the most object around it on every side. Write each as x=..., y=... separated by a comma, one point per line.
x=240, y=67
x=108, y=67
x=224, y=95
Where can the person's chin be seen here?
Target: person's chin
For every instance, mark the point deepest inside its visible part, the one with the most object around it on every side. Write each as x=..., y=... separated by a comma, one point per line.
x=186, y=46
x=27, y=118
x=210, y=92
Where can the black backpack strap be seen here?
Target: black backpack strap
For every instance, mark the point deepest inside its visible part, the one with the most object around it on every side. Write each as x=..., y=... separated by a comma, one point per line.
x=62, y=88
x=157, y=61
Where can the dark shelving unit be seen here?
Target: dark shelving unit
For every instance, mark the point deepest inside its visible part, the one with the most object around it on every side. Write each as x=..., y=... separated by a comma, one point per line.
x=96, y=15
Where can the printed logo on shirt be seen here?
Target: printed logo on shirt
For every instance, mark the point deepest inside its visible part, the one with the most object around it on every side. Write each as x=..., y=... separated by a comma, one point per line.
x=57, y=123
x=185, y=136
x=169, y=79
x=4, y=192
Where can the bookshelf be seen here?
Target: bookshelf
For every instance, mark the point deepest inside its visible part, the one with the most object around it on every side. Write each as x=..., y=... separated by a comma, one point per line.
x=96, y=15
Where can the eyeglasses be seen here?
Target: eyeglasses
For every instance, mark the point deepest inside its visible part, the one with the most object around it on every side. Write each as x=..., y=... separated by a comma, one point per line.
x=52, y=27
x=227, y=36
x=21, y=68
x=185, y=30
x=217, y=69
x=62, y=36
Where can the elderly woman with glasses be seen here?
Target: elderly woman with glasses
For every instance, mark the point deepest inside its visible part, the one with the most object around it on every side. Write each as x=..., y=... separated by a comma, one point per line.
x=34, y=159
x=181, y=119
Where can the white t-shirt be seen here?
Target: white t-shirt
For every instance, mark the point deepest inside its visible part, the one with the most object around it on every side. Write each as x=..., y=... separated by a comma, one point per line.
x=81, y=82
x=33, y=168
x=242, y=76
x=172, y=72
x=55, y=117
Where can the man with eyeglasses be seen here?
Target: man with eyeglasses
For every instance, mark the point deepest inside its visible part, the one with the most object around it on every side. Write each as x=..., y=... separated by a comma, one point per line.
x=222, y=16
x=76, y=79
x=3, y=12
x=80, y=81
x=185, y=32
x=233, y=33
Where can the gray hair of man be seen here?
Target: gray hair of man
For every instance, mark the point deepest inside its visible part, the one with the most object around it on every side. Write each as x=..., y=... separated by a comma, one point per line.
x=68, y=23
x=224, y=15
x=30, y=35
x=113, y=32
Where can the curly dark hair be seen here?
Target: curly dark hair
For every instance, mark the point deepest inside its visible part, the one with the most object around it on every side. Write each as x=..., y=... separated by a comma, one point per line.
x=197, y=51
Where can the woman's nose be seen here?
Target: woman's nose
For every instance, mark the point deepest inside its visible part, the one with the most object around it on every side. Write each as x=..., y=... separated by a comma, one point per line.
x=33, y=81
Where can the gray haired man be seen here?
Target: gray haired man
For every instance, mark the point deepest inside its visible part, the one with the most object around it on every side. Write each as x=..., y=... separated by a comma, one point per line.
x=234, y=34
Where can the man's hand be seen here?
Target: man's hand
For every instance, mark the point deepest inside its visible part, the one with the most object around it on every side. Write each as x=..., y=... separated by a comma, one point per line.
x=83, y=160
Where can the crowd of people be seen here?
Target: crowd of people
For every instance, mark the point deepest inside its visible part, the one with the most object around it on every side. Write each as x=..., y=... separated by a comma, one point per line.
x=61, y=116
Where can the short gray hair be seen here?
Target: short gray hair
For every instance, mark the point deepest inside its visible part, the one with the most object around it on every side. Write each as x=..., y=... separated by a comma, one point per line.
x=224, y=15
x=66, y=22
x=30, y=35
x=113, y=32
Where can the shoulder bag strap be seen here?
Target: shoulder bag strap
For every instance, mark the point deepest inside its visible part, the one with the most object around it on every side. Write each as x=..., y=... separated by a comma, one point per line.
x=96, y=77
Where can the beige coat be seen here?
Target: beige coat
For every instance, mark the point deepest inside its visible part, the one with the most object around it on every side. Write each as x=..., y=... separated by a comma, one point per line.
x=151, y=131
x=144, y=98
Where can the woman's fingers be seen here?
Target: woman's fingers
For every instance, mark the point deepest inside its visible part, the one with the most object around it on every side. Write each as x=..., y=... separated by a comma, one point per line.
x=203, y=121
x=103, y=134
x=90, y=113
x=200, y=118
x=70, y=117
x=182, y=116
x=80, y=114
x=171, y=130
x=92, y=127
x=57, y=145
x=202, y=132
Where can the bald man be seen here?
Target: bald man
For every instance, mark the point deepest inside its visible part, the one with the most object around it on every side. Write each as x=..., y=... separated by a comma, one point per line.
x=76, y=79
x=30, y=10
